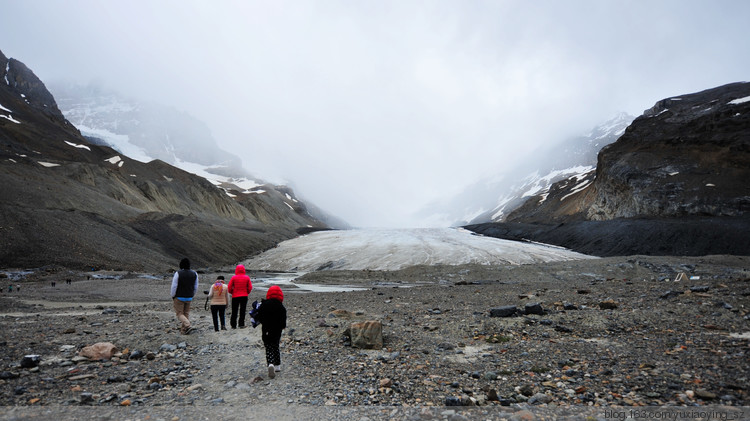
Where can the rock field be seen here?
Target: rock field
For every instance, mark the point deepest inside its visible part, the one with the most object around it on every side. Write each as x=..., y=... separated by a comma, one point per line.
x=616, y=332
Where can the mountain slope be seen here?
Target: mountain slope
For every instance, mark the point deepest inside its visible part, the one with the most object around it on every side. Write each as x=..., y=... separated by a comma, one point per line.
x=71, y=202
x=492, y=199
x=677, y=179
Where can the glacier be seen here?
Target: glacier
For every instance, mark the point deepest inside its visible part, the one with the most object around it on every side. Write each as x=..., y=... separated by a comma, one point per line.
x=393, y=249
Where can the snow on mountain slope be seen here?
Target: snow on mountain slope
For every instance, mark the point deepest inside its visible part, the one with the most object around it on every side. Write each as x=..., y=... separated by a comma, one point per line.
x=492, y=199
x=392, y=249
x=145, y=132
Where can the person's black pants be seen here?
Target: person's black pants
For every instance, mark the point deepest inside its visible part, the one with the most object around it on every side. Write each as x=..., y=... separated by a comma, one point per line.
x=239, y=306
x=271, y=342
x=217, y=313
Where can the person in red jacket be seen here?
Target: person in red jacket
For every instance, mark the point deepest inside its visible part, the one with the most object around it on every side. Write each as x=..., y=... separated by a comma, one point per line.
x=239, y=287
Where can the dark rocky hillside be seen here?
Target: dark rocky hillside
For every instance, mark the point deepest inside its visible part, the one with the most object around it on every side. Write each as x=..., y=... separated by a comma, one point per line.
x=66, y=201
x=675, y=183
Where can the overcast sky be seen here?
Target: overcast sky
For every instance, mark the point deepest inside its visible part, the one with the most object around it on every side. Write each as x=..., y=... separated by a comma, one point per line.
x=371, y=109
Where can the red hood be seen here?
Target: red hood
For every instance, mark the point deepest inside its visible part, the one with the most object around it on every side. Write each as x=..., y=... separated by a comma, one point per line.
x=240, y=270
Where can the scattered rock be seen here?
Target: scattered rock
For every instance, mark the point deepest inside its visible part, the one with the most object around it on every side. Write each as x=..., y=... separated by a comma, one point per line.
x=136, y=354
x=526, y=390
x=563, y=329
x=504, y=311
x=366, y=335
x=705, y=394
x=533, y=308
x=608, y=305
x=341, y=314
x=670, y=294
x=167, y=348
x=540, y=398
x=86, y=398
x=99, y=351
x=30, y=361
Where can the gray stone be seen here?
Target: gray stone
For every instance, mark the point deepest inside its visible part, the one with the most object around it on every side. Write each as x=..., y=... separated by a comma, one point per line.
x=453, y=401
x=167, y=348
x=30, y=361
x=137, y=354
x=669, y=294
x=504, y=311
x=533, y=308
x=540, y=398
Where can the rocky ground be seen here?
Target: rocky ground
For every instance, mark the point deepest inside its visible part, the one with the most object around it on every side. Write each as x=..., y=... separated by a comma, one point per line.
x=616, y=332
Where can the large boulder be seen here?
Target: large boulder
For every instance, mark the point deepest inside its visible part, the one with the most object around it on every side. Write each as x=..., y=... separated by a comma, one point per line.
x=367, y=335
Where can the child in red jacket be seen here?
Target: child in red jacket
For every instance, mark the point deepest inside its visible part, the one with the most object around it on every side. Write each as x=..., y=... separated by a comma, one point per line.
x=272, y=316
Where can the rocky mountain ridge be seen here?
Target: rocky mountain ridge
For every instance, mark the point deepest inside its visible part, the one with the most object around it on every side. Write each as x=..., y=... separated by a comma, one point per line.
x=676, y=178
x=70, y=202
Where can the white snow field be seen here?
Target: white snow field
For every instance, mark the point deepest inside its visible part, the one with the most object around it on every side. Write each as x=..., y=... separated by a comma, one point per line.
x=392, y=249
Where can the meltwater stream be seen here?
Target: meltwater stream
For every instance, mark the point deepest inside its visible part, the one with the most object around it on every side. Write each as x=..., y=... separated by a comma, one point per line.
x=263, y=280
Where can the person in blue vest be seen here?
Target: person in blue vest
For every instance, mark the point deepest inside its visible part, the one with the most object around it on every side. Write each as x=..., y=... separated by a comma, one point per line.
x=184, y=287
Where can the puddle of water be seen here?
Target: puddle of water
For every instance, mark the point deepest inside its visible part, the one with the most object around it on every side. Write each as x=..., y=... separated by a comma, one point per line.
x=285, y=280
x=16, y=275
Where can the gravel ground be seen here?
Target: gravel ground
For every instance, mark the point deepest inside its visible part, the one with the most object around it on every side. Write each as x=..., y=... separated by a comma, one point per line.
x=616, y=332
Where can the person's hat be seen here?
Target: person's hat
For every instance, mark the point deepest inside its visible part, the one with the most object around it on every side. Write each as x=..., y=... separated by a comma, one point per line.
x=274, y=292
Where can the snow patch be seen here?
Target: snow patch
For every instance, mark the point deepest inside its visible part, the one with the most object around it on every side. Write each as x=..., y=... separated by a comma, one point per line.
x=217, y=180
x=290, y=206
x=75, y=145
x=5, y=109
x=119, y=142
x=47, y=164
x=114, y=160
x=10, y=118
x=255, y=191
x=710, y=185
x=580, y=187
x=739, y=100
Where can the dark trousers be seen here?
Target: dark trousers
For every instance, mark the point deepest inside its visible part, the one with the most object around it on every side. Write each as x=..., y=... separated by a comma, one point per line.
x=239, y=307
x=271, y=342
x=217, y=313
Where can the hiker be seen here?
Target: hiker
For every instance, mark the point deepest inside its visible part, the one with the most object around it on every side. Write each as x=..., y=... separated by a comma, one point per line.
x=219, y=300
x=10, y=288
x=272, y=317
x=239, y=287
x=184, y=287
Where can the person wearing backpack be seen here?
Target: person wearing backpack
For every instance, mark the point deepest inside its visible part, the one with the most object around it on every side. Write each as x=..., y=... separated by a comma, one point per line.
x=219, y=297
x=184, y=287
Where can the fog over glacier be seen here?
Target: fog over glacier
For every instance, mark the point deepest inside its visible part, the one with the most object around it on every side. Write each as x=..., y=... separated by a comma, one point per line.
x=392, y=249
x=374, y=110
